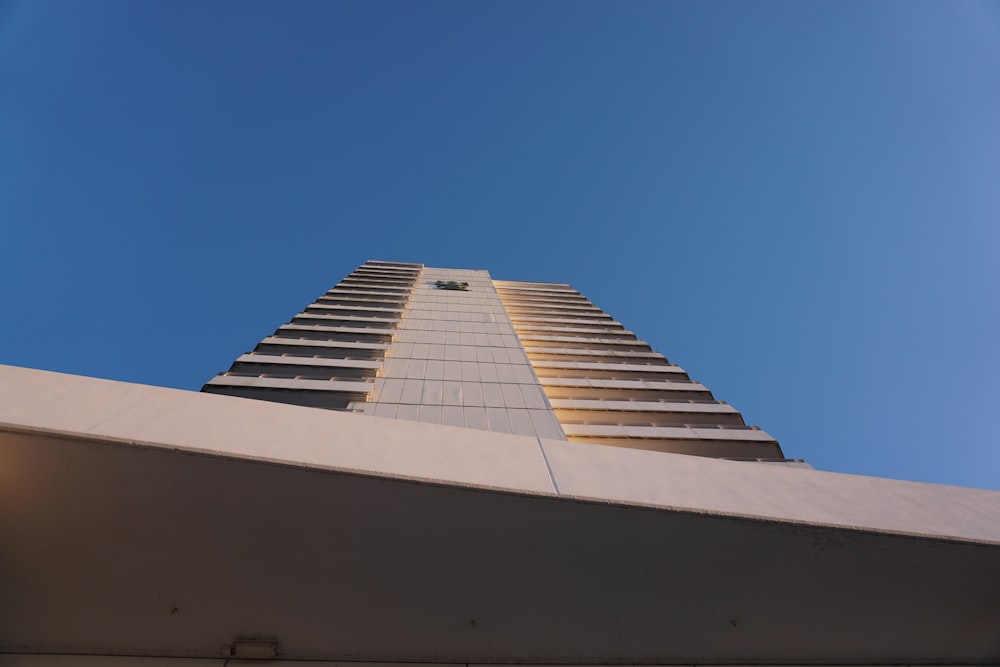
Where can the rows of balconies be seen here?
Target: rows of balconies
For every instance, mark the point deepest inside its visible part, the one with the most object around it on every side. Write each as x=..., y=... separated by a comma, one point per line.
x=608, y=387
x=328, y=355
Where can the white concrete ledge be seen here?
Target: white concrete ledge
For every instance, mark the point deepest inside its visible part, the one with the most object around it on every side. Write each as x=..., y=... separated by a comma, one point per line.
x=641, y=406
x=309, y=342
x=338, y=292
x=353, y=309
x=322, y=317
x=595, y=331
x=666, y=432
x=372, y=331
x=291, y=383
x=548, y=304
x=584, y=352
x=254, y=358
x=144, y=416
x=621, y=384
x=609, y=366
x=585, y=321
x=777, y=493
x=45, y=402
x=527, y=336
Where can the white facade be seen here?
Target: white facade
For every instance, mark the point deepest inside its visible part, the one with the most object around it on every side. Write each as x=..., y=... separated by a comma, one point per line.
x=526, y=358
x=456, y=359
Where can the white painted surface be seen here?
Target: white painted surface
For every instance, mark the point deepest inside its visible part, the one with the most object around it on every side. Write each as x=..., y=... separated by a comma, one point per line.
x=32, y=400
x=128, y=413
x=773, y=492
x=458, y=348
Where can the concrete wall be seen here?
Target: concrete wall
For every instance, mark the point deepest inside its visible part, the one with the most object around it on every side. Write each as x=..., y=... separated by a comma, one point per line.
x=456, y=360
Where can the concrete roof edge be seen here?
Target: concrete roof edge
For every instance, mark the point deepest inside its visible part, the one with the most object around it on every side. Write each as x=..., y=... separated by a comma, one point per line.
x=47, y=403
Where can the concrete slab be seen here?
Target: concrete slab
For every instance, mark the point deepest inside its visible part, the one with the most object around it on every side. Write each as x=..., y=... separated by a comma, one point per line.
x=40, y=401
x=776, y=493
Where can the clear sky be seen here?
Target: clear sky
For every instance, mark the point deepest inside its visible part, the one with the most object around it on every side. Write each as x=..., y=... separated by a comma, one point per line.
x=798, y=202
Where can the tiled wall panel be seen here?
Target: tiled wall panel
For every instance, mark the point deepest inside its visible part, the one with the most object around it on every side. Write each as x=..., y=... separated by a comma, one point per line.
x=456, y=359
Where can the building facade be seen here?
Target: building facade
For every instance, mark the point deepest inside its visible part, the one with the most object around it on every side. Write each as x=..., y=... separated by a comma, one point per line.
x=449, y=507
x=455, y=347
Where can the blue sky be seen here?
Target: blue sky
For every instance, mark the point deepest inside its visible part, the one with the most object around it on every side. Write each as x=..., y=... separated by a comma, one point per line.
x=798, y=202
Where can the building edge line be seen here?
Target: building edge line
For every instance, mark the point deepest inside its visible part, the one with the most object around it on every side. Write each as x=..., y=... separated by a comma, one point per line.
x=87, y=438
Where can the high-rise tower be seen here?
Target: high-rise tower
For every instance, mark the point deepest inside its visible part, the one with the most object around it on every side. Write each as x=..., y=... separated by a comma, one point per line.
x=454, y=346
x=444, y=498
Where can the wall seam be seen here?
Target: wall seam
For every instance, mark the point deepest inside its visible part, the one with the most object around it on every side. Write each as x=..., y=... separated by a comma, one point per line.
x=548, y=466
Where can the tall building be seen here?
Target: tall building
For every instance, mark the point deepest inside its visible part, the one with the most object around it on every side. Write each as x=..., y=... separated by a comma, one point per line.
x=447, y=470
x=455, y=347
